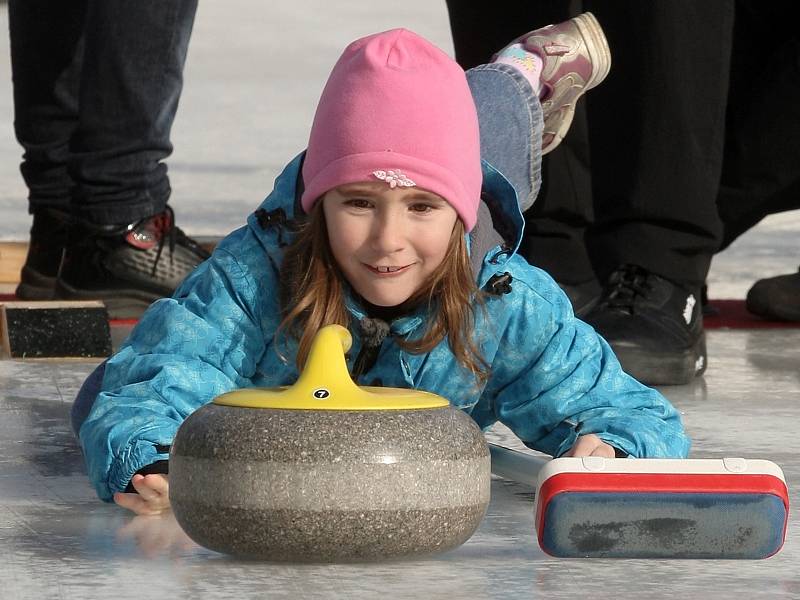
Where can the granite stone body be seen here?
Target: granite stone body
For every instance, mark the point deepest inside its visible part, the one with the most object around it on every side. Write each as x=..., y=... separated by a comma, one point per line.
x=333, y=485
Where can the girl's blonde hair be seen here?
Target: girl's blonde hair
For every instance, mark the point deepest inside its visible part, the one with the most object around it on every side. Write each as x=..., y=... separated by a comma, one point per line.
x=312, y=296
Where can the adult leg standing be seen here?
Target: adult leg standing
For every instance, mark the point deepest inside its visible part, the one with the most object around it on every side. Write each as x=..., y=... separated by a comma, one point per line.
x=46, y=55
x=96, y=88
x=555, y=224
x=761, y=172
x=657, y=134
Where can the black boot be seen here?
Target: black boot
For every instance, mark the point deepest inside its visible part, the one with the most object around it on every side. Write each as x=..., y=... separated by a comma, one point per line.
x=655, y=326
x=776, y=297
x=583, y=296
x=48, y=237
x=127, y=266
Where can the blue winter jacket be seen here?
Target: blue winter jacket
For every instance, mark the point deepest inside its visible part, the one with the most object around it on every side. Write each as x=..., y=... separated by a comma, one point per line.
x=552, y=377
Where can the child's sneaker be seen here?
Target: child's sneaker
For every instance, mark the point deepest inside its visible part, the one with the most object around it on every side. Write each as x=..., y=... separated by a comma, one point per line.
x=575, y=58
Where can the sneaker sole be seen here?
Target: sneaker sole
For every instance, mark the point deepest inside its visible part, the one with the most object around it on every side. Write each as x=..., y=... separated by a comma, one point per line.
x=600, y=55
x=596, y=46
x=655, y=368
x=120, y=304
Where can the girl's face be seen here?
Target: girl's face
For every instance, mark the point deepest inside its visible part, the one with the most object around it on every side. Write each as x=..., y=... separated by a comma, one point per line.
x=387, y=241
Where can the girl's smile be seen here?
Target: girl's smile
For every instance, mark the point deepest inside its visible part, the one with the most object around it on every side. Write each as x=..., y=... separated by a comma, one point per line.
x=387, y=271
x=387, y=241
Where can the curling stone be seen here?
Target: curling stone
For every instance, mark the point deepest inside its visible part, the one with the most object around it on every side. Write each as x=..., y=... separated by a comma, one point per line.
x=327, y=471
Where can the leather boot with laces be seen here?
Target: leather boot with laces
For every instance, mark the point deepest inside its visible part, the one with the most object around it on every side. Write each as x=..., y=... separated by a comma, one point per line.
x=655, y=326
x=127, y=266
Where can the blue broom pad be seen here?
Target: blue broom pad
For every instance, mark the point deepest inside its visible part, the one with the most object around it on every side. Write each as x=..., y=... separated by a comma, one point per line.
x=663, y=525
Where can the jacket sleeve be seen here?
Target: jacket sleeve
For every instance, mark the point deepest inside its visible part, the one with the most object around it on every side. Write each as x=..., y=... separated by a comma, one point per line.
x=559, y=379
x=186, y=350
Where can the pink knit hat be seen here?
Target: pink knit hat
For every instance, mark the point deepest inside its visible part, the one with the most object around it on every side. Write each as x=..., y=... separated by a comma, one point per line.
x=396, y=108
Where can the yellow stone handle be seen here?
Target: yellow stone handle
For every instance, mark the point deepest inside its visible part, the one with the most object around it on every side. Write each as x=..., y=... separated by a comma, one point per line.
x=325, y=384
x=326, y=361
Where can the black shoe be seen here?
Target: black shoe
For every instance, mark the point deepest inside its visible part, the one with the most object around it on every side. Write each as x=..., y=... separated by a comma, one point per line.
x=48, y=237
x=583, y=296
x=127, y=267
x=776, y=297
x=655, y=326
x=705, y=303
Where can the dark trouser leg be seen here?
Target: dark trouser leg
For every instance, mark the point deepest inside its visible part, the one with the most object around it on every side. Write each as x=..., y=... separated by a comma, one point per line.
x=131, y=82
x=761, y=173
x=657, y=132
x=480, y=29
x=46, y=64
x=46, y=56
x=555, y=223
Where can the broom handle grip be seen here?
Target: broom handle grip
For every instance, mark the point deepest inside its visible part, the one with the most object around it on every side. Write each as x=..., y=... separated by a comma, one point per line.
x=515, y=465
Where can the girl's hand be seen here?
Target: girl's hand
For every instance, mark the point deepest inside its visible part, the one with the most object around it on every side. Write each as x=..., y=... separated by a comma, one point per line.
x=591, y=445
x=153, y=496
x=156, y=535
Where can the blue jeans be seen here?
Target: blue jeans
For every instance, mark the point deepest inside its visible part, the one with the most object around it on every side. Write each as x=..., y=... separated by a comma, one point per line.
x=511, y=126
x=96, y=88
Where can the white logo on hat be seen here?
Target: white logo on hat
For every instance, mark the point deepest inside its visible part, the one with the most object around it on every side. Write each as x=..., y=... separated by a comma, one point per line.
x=394, y=178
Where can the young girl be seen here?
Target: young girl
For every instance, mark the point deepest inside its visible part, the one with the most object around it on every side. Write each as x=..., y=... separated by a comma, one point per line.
x=390, y=225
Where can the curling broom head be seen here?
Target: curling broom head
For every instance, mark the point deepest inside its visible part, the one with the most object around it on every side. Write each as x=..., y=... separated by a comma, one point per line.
x=661, y=508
